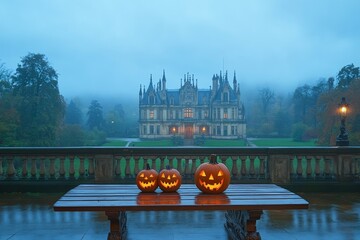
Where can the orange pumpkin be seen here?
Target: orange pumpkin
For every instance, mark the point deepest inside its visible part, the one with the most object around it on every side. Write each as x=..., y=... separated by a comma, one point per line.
x=212, y=177
x=146, y=179
x=169, y=179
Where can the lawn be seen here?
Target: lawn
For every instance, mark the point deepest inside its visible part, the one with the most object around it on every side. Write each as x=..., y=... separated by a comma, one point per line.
x=282, y=142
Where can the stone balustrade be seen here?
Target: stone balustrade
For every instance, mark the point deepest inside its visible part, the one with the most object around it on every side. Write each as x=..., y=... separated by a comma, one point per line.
x=279, y=165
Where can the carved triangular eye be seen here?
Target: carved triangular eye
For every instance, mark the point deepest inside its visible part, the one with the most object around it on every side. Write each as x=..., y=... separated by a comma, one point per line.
x=174, y=176
x=151, y=175
x=163, y=175
x=202, y=173
x=142, y=175
x=220, y=173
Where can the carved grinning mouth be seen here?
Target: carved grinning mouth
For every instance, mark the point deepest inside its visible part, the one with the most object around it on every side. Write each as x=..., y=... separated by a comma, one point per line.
x=213, y=186
x=147, y=184
x=169, y=184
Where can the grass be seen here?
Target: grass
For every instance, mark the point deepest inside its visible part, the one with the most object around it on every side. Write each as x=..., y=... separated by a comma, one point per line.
x=116, y=143
x=282, y=142
x=159, y=143
x=224, y=143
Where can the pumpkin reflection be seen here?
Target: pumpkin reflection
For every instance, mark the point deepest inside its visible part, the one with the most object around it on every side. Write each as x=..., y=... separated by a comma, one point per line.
x=169, y=198
x=146, y=198
x=158, y=198
x=205, y=199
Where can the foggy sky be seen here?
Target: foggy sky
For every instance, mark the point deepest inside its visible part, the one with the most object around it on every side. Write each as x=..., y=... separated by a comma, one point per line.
x=111, y=47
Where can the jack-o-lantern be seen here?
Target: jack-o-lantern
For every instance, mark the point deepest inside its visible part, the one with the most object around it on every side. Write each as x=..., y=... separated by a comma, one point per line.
x=169, y=179
x=212, y=177
x=146, y=179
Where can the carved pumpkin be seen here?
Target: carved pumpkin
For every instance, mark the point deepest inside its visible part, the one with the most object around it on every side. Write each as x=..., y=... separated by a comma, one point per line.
x=212, y=177
x=146, y=179
x=169, y=179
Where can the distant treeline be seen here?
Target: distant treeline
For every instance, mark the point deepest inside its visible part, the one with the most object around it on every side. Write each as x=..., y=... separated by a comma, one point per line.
x=34, y=113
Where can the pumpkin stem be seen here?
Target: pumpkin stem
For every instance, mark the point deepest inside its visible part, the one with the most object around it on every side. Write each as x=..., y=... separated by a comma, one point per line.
x=168, y=167
x=147, y=166
x=213, y=159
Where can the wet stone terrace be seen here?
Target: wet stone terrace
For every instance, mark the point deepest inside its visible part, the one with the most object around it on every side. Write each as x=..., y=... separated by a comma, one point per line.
x=30, y=216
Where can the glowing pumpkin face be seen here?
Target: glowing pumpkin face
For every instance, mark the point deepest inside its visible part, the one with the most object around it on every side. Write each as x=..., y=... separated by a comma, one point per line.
x=212, y=177
x=146, y=180
x=169, y=179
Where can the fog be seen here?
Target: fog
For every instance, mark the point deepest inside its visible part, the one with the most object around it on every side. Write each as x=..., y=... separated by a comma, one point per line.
x=109, y=48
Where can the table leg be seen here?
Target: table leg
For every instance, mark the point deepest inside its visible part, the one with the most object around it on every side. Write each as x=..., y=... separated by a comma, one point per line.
x=117, y=225
x=242, y=224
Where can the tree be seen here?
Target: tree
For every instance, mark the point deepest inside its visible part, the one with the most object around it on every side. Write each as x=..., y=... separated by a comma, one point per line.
x=267, y=97
x=73, y=114
x=346, y=75
x=9, y=117
x=95, y=116
x=40, y=105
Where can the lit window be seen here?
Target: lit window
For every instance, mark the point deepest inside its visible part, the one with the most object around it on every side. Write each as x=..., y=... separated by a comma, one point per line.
x=188, y=113
x=151, y=115
x=226, y=115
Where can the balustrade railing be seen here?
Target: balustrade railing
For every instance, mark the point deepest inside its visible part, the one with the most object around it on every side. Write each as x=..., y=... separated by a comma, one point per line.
x=108, y=164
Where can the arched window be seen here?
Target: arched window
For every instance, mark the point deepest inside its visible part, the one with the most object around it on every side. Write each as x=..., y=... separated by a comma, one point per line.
x=226, y=97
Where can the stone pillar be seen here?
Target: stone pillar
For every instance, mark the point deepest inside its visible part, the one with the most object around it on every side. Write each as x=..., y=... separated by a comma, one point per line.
x=104, y=168
x=345, y=167
x=279, y=168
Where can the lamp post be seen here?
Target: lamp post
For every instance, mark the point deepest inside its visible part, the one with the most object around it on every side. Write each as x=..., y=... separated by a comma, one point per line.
x=342, y=139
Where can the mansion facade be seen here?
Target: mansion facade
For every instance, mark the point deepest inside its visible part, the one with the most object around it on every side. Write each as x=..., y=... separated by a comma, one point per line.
x=190, y=112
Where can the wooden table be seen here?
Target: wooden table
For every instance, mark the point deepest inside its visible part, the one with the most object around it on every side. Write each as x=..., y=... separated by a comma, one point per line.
x=244, y=204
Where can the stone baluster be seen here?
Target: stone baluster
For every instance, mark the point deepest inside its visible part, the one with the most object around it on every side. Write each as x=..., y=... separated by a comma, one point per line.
x=127, y=167
x=178, y=165
x=252, y=166
x=243, y=167
x=91, y=172
x=136, y=165
x=72, y=168
x=193, y=166
x=234, y=170
x=162, y=162
x=317, y=166
x=82, y=167
x=52, y=167
x=117, y=166
x=169, y=162
x=42, y=168
x=1, y=168
x=308, y=166
x=24, y=171
x=354, y=167
x=299, y=169
x=327, y=167
x=262, y=167
x=202, y=159
x=33, y=168
x=11, y=172
x=62, y=167
x=153, y=163
x=187, y=169
x=293, y=160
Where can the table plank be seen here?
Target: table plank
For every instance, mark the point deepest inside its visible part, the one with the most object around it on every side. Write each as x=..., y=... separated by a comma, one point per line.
x=116, y=197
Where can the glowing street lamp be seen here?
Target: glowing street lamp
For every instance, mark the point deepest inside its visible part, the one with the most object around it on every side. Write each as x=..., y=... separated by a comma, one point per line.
x=342, y=139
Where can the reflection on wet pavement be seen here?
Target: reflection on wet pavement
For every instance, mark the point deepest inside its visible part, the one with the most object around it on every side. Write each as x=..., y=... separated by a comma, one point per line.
x=30, y=216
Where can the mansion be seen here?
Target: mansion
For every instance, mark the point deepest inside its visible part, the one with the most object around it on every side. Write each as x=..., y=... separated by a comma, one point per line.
x=190, y=112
